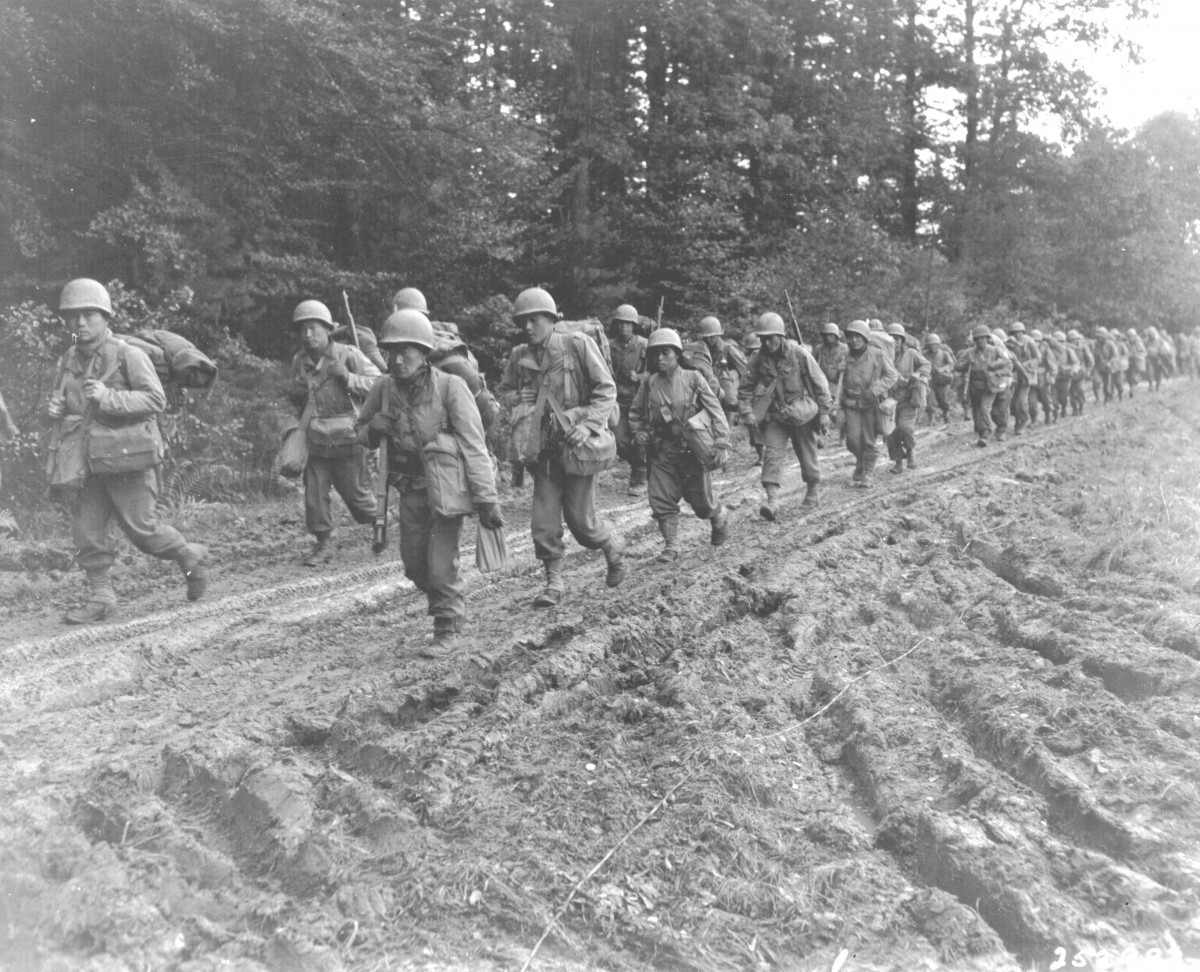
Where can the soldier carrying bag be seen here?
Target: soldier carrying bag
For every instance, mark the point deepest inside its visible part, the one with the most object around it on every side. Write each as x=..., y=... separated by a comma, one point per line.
x=115, y=447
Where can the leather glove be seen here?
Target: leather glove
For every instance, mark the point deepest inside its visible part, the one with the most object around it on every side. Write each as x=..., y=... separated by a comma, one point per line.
x=489, y=516
x=642, y=438
x=338, y=372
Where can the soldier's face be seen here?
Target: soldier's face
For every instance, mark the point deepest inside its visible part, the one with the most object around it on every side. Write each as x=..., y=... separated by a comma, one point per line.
x=856, y=342
x=313, y=335
x=538, y=327
x=668, y=359
x=86, y=325
x=830, y=340
x=405, y=361
x=625, y=330
x=981, y=343
x=771, y=343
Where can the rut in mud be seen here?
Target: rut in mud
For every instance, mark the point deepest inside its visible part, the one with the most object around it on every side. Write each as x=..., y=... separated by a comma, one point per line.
x=948, y=724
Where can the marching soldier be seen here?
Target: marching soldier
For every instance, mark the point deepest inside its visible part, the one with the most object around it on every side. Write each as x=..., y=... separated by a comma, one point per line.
x=751, y=342
x=1086, y=365
x=868, y=376
x=786, y=395
x=728, y=364
x=1108, y=364
x=909, y=391
x=107, y=450
x=412, y=406
x=830, y=355
x=1137, y=359
x=666, y=399
x=941, y=376
x=561, y=374
x=328, y=379
x=1047, y=377
x=1026, y=357
x=628, y=352
x=989, y=374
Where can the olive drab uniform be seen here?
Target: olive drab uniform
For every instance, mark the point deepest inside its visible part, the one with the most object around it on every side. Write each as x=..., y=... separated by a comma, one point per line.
x=832, y=362
x=629, y=368
x=770, y=382
x=1083, y=372
x=728, y=365
x=1047, y=378
x=941, y=377
x=1027, y=358
x=867, y=378
x=336, y=457
x=1137, y=359
x=913, y=370
x=571, y=368
x=1107, y=364
x=417, y=412
x=662, y=404
x=989, y=375
x=133, y=394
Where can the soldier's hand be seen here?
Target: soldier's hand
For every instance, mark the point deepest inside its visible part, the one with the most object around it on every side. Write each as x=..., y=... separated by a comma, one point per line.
x=379, y=423
x=642, y=438
x=490, y=517
x=338, y=372
x=58, y=406
x=529, y=395
x=578, y=435
x=823, y=424
x=93, y=390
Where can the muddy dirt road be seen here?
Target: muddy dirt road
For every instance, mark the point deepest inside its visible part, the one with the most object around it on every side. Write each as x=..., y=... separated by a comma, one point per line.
x=953, y=723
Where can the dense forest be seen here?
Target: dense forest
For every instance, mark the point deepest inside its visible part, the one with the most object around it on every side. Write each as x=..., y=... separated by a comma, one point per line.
x=933, y=161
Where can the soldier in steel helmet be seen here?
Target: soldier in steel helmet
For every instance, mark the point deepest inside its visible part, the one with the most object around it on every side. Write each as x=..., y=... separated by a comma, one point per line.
x=751, y=342
x=414, y=406
x=909, y=391
x=668, y=397
x=830, y=355
x=560, y=374
x=786, y=395
x=941, y=376
x=728, y=364
x=1083, y=372
x=989, y=370
x=869, y=374
x=328, y=381
x=628, y=351
x=109, y=392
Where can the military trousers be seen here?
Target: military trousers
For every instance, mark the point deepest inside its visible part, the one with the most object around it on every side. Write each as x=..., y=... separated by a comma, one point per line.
x=983, y=404
x=1062, y=392
x=862, y=426
x=940, y=399
x=132, y=501
x=674, y=474
x=348, y=476
x=776, y=437
x=1077, y=394
x=903, y=440
x=429, y=550
x=557, y=495
x=627, y=448
x=1020, y=406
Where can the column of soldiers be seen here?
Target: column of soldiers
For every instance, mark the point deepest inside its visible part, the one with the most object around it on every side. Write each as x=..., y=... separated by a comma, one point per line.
x=350, y=401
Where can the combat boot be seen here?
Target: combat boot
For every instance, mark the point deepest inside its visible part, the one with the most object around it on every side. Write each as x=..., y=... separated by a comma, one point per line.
x=518, y=475
x=637, y=482
x=812, y=498
x=553, y=591
x=912, y=463
x=899, y=466
x=444, y=640
x=193, y=563
x=320, y=553
x=614, y=556
x=720, y=525
x=770, y=505
x=101, y=602
x=668, y=526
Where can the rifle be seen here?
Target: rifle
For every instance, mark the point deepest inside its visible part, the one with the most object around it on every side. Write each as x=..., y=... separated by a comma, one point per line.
x=379, y=530
x=350, y=319
x=795, y=323
x=56, y=438
x=658, y=319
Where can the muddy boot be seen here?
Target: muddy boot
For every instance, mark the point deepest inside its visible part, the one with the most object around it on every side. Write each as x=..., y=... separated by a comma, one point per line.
x=193, y=563
x=101, y=602
x=999, y=436
x=812, y=498
x=912, y=463
x=719, y=521
x=770, y=505
x=320, y=553
x=858, y=472
x=898, y=467
x=444, y=640
x=552, y=593
x=517, y=477
x=637, y=482
x=614, y=556
x=668, y=526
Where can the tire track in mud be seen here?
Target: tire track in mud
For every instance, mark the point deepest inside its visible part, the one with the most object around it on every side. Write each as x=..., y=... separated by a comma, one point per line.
x=319, y=761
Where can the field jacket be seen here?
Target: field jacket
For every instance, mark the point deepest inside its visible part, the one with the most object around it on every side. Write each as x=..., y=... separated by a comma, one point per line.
x=330, y=398
x=571, y=368
x=628, y=366
x=1106, y=355
x=794, y=370
x=867, y=379
x=831, y=361
x=913, y=369
x=729, y=367
x=687, y=392
x=990, y=368
x=132, y=393
x=941, y=365
x=432, y=403
x=1029, y=356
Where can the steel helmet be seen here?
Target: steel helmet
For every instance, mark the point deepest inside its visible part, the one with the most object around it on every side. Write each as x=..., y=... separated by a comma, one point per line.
x=1060, y=336
x=980, y=331
x=1036, y=334
x=751, y=342
x=411, y=298
x=768, y=324
x=861, y=328
x=1132, y=332
x=710, y=327
x=534, y=301
x=1016, y=327
x=1102, y=332
x=665, y=337
x=626, y=312
x=875, y=324
x=312, y=310
x=85, y=294
x=830, y=328
x=1074, y=335
x=931, y=339
x=407, y=326
x=895, y=330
